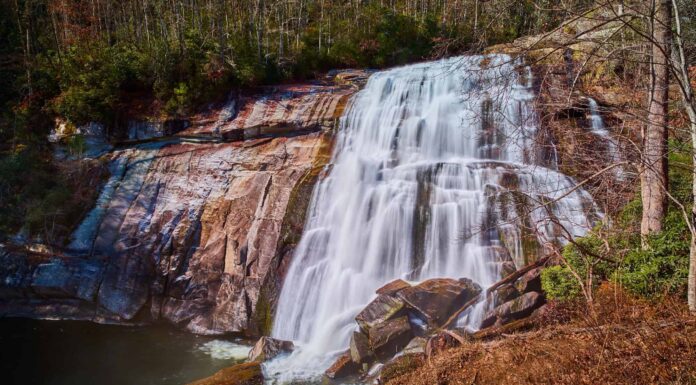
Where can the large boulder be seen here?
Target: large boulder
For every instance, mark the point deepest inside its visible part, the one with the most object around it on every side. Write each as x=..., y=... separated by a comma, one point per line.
x=343, y=367
x=435, y=300
x=393, y=287
x=380, y=310
x=390, y=337
x=515, y=309
x=242, y=374
x=267, y=348
x=360, y=351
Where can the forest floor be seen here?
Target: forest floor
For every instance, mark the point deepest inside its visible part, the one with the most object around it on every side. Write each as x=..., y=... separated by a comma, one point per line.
x=624, y=340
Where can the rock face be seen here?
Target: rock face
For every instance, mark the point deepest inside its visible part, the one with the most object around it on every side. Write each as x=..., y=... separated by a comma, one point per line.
x=281, y=109
x=267, y=348
x=194, y=232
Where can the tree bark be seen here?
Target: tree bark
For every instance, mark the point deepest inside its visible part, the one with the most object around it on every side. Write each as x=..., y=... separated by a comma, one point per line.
x=654, y=162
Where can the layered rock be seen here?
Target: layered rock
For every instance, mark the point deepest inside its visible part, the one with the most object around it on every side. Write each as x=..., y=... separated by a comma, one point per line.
x=197, y=233
x=392, y=322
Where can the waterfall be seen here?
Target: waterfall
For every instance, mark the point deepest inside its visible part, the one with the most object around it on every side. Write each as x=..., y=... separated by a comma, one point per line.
x=599, y=130
x=434, y=174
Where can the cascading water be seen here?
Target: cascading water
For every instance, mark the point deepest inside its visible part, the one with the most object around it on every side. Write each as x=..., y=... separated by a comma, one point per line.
x=435, y=174
x=599, y=129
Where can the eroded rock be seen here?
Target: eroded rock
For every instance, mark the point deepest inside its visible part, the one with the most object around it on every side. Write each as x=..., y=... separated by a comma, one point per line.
x=267, y=348
x=381, y=309
x=390, y=337
x=360, y=351
x=343, y=367
x=393, y=287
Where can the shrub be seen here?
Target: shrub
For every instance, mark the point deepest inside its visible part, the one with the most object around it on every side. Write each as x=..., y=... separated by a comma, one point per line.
x=559, y=283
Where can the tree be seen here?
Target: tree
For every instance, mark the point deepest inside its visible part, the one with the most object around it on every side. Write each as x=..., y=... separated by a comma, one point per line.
x=654, y=162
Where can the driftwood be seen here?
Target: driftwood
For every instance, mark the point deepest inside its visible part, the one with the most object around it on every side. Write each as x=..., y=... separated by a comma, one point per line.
x=518, y=273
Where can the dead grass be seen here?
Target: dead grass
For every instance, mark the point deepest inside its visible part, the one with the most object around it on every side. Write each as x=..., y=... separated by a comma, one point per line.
x=626, y=341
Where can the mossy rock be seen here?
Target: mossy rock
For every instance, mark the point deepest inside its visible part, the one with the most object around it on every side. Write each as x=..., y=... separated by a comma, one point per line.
x=243, y=374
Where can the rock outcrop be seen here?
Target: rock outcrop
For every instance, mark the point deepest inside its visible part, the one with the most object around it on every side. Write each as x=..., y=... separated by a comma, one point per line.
x=393, y=322
x=266, y=348
x=194, y=231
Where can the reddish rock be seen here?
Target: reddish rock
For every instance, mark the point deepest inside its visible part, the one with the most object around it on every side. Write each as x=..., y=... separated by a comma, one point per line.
x=343, y=367
x=267, y=348
x=360, y=348
x=194, y=233
x=390, y=337
x=518, y=308
x=380, y=310
x=437, y=299
x=393, y=287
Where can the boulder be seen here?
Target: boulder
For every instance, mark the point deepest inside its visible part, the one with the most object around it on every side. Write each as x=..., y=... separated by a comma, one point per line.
x=416, y=346
x=360, y=348
x=267, y=348
x=505, y=293
x=530, y=281
x=437, y=299
x=380, y=310
x=390, y=337
x=248, y=373
x=515, y=309
x=342, y=367
x=393, y=287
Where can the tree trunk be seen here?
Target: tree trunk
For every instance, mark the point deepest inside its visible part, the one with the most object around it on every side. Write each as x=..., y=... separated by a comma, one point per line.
x=654, y=162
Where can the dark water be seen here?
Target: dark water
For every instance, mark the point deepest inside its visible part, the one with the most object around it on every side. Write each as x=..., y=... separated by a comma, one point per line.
x=83, y=353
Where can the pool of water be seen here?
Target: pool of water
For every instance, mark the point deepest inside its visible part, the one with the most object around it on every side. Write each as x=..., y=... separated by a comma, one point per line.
x=84, y=353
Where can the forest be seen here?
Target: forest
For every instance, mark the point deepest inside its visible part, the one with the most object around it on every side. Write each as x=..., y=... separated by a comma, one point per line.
x=611, y=89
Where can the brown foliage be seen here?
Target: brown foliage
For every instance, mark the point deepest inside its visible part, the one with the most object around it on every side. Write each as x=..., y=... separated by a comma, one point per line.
x=627, y=341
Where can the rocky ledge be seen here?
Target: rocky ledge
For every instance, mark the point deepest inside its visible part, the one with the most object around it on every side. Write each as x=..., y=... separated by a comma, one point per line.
x=195, y=233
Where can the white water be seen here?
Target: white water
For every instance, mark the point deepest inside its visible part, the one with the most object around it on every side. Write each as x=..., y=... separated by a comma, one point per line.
x=419, y=187
x=599, y=129
x=225, y=350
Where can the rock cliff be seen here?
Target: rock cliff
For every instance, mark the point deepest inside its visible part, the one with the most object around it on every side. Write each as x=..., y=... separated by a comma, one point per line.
x=195, y=228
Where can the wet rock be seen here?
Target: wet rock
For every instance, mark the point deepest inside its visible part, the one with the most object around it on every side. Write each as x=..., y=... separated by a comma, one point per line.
x=437, y=299
x=242, y=374
x=381, y=309
x=390, y=337
x=78, y=278
x=515, y=309
x=360, y=348
x=416, y=346
x=343, y=367
x=267, y=348
x=530, y=281
x=393, y=287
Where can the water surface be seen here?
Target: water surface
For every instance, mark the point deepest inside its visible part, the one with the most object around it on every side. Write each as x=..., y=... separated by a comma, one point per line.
x=84, y=353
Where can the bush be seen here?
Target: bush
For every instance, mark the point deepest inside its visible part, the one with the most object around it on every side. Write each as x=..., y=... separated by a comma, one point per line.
x=559, y=283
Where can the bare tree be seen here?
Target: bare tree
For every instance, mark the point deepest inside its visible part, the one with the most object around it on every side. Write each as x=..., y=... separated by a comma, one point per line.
x=654, y=163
